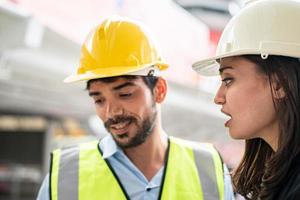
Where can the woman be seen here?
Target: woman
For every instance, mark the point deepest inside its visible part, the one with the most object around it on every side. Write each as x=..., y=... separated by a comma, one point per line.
x=258, y=61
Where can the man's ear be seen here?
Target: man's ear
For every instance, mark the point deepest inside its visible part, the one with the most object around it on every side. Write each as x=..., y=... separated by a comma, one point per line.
x=277, y=88
x=160, y=90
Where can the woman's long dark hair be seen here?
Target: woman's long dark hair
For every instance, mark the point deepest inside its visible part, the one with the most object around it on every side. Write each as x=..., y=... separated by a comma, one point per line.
x=263, y=172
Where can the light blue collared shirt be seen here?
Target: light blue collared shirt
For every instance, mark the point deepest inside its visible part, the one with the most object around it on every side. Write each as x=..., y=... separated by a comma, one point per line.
x=134, y=182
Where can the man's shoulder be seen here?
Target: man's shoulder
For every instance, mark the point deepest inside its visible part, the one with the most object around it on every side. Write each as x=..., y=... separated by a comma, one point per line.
x=191, y=144
x=201, y=148
x=74, y=147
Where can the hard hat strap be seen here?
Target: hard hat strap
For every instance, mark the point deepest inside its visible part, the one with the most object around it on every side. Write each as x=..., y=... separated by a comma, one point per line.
x=148, y=71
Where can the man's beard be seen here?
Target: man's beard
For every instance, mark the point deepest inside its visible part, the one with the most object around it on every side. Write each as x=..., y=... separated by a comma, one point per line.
x=144, y=129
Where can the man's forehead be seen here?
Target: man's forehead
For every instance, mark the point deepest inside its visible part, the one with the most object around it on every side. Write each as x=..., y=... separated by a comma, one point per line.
x=115, y=83
x=113, y=80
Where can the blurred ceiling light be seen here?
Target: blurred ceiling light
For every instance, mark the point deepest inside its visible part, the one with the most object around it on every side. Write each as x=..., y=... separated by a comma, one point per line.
x=233, y=7
x=5, y=72
x=10, y=8
x=21, y=28
x=34, y=34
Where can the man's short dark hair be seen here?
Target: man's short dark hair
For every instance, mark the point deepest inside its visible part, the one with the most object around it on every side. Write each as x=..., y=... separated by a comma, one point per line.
x=150, y=81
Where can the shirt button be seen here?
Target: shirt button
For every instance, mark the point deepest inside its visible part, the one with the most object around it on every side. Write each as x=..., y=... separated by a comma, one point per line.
x=148, y=189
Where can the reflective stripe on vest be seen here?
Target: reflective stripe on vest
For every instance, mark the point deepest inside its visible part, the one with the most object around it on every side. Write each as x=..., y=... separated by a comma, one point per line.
x=197, y=169
x=95, y=179
x=191, y=172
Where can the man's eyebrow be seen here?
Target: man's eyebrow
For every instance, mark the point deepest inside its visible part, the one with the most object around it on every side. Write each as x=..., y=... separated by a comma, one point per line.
x=91, y=94
x=97, y=93
x=123, y=85
x=222, y=68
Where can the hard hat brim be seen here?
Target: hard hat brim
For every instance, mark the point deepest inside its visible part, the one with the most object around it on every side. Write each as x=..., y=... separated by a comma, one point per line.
x=210, y=66
x=111, y=72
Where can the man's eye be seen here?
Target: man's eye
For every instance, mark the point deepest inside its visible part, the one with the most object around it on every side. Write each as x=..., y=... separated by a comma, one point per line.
x=227, y=81
x=99, y=101
x=125, y=94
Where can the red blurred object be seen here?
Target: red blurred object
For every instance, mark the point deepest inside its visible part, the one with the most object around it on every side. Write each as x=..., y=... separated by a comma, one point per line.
x=214, y=36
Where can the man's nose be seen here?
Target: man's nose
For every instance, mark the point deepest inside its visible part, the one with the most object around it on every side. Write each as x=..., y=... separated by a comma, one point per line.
x=113, y=109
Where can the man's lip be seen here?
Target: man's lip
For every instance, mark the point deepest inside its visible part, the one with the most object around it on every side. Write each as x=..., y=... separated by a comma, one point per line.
x=122, y=130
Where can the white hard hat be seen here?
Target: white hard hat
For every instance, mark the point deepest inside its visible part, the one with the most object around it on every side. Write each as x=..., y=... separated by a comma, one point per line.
x=263, y=27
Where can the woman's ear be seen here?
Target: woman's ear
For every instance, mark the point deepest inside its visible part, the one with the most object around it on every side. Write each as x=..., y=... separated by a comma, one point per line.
x=160, y=90
x=278, y=91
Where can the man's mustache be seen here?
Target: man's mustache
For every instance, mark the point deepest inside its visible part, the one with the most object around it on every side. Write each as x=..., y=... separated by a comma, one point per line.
x=118, y=119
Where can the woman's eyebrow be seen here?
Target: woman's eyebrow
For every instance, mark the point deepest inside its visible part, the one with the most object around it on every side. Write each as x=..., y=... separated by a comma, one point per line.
x=222, y=68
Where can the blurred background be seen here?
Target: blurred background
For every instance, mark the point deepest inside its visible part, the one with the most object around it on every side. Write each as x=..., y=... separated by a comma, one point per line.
x=39, y=46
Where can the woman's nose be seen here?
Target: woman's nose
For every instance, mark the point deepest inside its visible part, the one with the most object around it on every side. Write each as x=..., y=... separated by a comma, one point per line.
x=220, y=97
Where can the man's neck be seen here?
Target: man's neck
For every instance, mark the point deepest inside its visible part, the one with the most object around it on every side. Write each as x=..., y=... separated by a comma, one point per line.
x=149, y=157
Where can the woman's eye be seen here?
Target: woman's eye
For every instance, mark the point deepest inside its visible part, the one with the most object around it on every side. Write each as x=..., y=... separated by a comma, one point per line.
x=227, y=81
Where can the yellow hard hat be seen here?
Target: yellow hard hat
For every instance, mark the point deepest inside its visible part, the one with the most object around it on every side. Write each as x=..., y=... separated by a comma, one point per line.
x=118, y=46
x=262, y=27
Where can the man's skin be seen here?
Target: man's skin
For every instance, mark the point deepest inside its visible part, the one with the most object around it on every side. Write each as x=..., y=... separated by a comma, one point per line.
x=131, y=113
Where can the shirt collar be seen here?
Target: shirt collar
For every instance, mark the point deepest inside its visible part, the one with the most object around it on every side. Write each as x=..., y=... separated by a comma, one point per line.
x=109, y=147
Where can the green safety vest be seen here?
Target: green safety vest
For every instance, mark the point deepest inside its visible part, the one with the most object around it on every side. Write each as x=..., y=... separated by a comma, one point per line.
x=192, y=171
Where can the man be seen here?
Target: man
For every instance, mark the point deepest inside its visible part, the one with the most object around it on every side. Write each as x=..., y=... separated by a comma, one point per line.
x=137, y=160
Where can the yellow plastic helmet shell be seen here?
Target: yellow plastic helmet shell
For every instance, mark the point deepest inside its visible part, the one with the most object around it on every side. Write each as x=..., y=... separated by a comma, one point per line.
x=116, y=47
x=262, y=27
